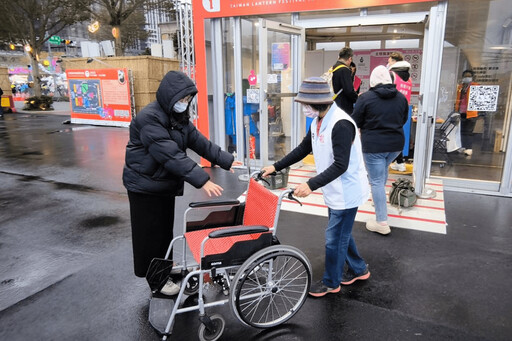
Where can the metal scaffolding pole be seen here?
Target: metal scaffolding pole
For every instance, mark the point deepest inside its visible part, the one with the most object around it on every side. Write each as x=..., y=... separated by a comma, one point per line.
x=186, y=43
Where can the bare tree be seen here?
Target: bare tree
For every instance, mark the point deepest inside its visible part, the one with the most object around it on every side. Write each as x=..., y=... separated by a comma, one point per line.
x=132, y=29
x=118, y=11
x=33, y=22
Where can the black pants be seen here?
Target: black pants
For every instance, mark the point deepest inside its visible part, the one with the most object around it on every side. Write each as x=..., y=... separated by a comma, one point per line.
x=152, y=219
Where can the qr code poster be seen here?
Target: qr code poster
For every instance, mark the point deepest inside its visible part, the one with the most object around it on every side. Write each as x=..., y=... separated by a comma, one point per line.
x=483, y=97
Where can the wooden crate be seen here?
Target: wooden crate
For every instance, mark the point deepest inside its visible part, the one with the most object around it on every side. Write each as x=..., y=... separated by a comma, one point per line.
x=142, y=99
x=145, y=85
x=4, y=81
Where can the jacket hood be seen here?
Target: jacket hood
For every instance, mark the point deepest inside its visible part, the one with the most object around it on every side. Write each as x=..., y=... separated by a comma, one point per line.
x=400, y=65
x=385, y=90
x=174, y=86
x=380, y=75
x=401, y=68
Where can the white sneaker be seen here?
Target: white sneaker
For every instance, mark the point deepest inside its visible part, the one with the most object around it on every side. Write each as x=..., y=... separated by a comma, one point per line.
x=170, y=288
x=468, y=152
x=374, y=226
x=399, y=167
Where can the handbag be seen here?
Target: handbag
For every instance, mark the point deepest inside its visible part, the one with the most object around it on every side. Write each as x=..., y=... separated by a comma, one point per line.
x=402, y=194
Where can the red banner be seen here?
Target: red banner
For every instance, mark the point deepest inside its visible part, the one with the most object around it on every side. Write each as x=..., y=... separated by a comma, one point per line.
x=232, y=8
x=100, y=96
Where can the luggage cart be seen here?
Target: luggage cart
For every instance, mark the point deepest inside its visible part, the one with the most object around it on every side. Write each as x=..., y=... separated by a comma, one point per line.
x=442, y=136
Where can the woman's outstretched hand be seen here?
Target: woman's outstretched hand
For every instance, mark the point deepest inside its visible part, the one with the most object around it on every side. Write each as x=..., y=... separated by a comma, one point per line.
x=212, y=189
x=235, y=164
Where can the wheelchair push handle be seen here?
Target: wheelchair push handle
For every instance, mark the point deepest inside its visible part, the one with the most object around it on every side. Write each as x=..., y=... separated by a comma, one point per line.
x=289, y=194
x=258, y=176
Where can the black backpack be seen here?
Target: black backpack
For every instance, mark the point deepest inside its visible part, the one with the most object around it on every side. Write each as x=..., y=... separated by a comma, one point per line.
x=402, y=194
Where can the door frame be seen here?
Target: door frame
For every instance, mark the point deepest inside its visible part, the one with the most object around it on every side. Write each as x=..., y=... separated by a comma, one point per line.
x=297, y=55
x=433, y=42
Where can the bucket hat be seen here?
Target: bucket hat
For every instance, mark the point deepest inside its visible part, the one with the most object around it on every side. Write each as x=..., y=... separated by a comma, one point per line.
x=314, y=90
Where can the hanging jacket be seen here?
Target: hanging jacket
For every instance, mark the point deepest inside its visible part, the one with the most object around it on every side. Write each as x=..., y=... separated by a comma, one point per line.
x=156, y=160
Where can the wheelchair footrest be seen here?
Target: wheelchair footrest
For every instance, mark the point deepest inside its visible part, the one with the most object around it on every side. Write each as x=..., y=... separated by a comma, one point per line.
x=160, y=310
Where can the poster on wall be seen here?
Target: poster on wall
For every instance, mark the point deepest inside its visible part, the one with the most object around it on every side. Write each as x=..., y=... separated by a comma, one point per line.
x=100, y=97
x=367, y=60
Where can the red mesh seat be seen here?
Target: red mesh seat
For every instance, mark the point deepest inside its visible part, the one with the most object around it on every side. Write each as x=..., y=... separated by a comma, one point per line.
x=260, y=209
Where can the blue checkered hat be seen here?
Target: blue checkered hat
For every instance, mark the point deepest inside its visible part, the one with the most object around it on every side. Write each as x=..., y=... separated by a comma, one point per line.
x=314, y=90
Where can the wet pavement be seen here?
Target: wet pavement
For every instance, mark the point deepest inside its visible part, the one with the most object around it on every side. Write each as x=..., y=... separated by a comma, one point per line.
x=66, y=263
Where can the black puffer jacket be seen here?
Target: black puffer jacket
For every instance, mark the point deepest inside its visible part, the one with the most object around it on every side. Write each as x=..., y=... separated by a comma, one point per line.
x=156, y=159
x=381, y=113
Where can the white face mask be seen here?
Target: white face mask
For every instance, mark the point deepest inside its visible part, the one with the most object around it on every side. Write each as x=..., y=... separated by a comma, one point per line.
x=467, y=80
x=309, y=112
x=180, y=107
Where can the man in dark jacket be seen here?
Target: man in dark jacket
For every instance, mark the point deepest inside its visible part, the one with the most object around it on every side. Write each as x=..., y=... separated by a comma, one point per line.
x=157, y=165
x=342, y=81
x=380, y=114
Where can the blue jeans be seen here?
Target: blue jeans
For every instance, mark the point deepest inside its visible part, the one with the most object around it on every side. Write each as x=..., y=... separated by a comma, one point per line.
x=377, y=165
x=340, y=247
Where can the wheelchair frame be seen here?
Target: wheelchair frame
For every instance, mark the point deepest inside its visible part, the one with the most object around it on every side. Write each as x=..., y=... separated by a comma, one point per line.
x=256, y=279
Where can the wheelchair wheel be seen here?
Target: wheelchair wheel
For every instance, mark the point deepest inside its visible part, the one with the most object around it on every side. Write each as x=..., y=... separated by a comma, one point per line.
x=270, y=286
x=212, y=335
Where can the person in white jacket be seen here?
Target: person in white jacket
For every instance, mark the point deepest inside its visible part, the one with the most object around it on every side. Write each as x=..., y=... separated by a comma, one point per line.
x=334, y=139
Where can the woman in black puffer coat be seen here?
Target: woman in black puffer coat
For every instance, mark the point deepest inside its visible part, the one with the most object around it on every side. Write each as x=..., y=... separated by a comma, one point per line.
x=157, y=165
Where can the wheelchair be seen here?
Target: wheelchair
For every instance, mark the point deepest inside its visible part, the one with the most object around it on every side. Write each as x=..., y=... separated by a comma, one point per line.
x=236, y=246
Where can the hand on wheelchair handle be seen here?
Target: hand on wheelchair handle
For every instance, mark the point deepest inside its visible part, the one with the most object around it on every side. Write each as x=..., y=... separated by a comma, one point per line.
x=291, y=197
x=302, y=190
x=268, y=170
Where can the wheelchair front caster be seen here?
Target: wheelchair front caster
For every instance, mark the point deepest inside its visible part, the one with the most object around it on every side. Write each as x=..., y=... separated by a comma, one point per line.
x=215, y=329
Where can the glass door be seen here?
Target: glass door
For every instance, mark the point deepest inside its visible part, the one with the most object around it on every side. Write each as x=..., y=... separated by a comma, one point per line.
x=281, y=55
x=475, y=95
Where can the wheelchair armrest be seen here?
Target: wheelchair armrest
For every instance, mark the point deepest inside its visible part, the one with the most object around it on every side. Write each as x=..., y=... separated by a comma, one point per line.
x=213, y=203
x=237, y=231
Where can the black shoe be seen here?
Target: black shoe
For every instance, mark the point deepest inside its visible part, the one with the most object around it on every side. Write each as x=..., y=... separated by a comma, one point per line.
x=349, y=277
x=319, y=289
